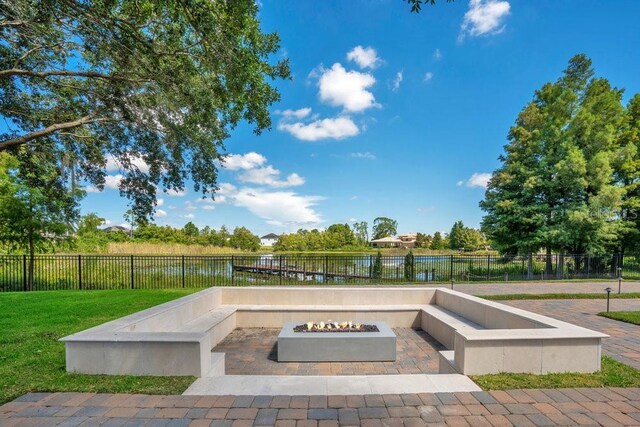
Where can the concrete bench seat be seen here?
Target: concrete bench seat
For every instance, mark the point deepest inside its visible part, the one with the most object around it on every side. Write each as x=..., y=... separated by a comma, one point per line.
x=276, y=315
x=442, y=324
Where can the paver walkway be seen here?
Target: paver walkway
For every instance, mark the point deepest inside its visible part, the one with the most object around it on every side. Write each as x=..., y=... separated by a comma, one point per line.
x=253, y=351
x=543, y=287
x=607, y=406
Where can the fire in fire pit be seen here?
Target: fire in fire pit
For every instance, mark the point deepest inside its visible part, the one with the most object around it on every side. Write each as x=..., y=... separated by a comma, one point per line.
x=335, y=327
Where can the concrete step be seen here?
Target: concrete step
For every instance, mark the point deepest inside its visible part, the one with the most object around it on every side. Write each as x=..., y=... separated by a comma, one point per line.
x=446, y=362
x=217, y=365
x=329, y=385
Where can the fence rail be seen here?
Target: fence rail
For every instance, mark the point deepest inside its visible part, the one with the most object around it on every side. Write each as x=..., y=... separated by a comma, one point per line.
x=51, y=272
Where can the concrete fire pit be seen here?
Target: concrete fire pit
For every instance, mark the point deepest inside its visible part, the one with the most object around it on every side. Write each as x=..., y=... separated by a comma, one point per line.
x=337, y=346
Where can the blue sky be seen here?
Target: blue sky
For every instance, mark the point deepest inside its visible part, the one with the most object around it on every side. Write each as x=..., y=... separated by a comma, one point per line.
x=396, y=114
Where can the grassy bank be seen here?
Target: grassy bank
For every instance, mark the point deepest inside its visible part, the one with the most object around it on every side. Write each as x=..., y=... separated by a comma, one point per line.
x=613, y=374
x=623, y=316
x=146, y=248
x=32, y=359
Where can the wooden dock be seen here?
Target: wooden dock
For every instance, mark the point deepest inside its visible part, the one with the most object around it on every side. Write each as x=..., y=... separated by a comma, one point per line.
x=294, y=270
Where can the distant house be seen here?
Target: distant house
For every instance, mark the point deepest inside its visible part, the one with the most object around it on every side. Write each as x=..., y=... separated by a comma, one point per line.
x=408, y=240
x=386, y=242
x=116, y=229
x=269, y=239
x=402, y=241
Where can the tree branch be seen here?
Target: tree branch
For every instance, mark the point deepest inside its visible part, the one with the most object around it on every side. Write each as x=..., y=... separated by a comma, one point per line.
x=14, y=142
x=15, y=23
x=65, y=73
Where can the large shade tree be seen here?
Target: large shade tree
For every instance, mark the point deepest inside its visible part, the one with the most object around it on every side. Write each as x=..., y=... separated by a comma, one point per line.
x=152, y=86
x=557, y=187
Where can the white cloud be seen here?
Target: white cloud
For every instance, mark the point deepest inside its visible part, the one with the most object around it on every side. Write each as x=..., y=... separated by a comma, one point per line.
x=480, y=180
x=484, y=17
x=106, y=222
x=188, y=216
x=226, y=188
x=176, y=193
x=270, y=176
x=160, y=213
x=280, y=207
x=353, y=220
x=159, y=202
x=114, y=165
x=365, y=57
x=353, y=198
x=426, y=210
x=428, y=76
x=337, y=128
x=189, y=206
x=243, y=161
x=437, y=55
x=348, y=89
x=296, y=114
x=366, y=155
x=397, y=81
x=208, y=207
x=111, y=182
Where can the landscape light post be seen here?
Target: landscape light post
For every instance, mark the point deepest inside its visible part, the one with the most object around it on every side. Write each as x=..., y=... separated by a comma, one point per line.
x=608, y=291
x=619, y=279
x=451, y=283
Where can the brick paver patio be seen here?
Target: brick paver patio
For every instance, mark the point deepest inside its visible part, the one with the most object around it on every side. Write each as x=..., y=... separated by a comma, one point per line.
x=607, y=406
x=253, y=351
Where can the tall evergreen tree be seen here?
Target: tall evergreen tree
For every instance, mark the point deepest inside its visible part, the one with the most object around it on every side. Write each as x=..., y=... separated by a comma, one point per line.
x=556, y=188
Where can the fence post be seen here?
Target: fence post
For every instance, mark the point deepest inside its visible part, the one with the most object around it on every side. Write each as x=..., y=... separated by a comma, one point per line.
x=132, y=279
x=183, y=270
x=233, y=270
x=451, y=267
x=326, y=269
x=281, y=268
x=24, y=272
x=488, y=268
x=79, y=271
x=529, y=266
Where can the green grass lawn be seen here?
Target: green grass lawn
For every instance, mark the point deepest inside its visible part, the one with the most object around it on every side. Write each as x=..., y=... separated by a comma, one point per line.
x=613, y=374
x=623, y=316
x=603, y=295
x=32, y=359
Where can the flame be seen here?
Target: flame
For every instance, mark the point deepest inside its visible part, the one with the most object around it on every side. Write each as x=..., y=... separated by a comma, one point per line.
x=332, y=325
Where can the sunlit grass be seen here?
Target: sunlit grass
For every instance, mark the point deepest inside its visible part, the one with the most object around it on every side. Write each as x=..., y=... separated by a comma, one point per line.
x=33, y=360
x=623, y=316
x=613, y=374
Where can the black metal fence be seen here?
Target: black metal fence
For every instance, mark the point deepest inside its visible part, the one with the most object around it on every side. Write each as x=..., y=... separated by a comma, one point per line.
x=51, y=272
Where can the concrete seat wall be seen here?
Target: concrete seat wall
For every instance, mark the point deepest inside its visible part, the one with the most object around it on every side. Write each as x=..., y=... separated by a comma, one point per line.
x=176, y=338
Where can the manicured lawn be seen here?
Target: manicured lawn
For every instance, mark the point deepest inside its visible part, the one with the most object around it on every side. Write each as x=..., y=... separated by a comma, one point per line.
x=32, y=359
x=613, y=374
x=603, y=295
x=623, y=316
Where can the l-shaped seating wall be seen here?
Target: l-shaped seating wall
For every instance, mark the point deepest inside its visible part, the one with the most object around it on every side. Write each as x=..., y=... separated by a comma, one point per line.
x=176, y=338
